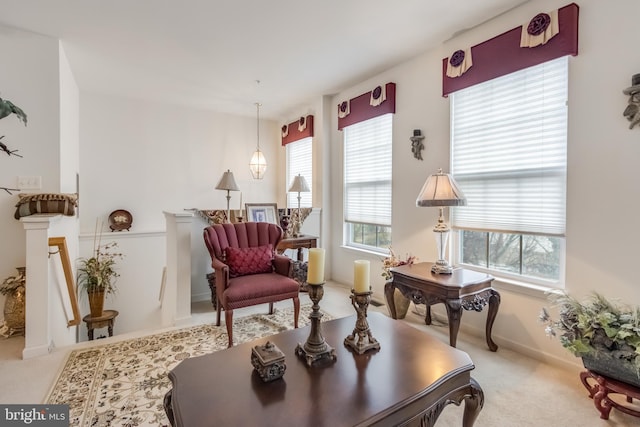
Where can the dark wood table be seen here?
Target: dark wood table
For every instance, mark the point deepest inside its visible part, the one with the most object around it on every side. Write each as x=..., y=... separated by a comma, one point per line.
x=407, y=382
x=105, y=321
x=463, y=288
x=298, y=243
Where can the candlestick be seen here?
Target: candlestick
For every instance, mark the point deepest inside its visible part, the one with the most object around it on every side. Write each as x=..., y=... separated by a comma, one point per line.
x=315, y=349
x=361, y=276
x=361, y=339
x=315, y=269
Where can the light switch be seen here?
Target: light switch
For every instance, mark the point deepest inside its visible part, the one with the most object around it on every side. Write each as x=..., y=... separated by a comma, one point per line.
x=29, y=182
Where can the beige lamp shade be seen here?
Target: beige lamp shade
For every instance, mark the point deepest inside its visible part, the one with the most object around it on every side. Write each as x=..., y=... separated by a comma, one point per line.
x=227, y=182
x=299, y=185
x=440, y=189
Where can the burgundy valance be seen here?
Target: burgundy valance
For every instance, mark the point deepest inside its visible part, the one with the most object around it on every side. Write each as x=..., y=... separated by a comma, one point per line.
x=502, y=54
x=302, y=128
x=367, y=106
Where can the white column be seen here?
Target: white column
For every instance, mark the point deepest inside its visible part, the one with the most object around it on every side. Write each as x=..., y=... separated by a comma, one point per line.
x=176, y=302
x=37, y=326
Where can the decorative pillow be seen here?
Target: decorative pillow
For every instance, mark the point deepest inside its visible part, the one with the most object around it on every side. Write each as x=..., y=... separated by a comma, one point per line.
x=243, y=261
x=30, y=204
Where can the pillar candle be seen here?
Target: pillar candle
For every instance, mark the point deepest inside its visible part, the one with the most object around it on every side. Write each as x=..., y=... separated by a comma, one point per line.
x=361, y=276
x=315, y=271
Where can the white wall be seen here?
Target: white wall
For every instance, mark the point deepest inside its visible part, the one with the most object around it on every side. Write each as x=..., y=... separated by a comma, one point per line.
x=602, y=199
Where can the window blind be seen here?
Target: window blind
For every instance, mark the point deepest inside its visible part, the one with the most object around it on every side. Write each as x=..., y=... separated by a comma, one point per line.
x=367, y=171
x=509, y=151
x=300, y=161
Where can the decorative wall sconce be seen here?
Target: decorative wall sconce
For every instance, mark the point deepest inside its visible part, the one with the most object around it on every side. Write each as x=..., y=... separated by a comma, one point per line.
x=416, y=144
x=632, y=112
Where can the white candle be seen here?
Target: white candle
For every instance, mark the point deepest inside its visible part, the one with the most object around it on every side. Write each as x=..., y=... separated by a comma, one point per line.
x=361, y=276
x=315, y=271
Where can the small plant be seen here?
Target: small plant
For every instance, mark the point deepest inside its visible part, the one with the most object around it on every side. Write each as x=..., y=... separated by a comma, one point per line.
x=594, y=327
x=393, y=261
x=98, y=272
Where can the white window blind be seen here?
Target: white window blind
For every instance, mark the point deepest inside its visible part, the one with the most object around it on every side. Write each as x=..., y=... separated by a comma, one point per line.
x=509, y=151
x=299, y=161
x=367, y=171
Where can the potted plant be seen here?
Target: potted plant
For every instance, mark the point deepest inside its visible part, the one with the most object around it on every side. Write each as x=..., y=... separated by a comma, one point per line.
x=605, y=335
x=97, y=275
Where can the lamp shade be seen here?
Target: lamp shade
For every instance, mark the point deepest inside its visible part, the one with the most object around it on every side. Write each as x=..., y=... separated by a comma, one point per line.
x=227, y=182
x=440, y=189
x=299, y=185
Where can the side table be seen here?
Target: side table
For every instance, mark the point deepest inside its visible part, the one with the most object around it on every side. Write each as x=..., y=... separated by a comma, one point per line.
x=298, y=243
x=463, y=288
x=603, y=387
x=105, y=321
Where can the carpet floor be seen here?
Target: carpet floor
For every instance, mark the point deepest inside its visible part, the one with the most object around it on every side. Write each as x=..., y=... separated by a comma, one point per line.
x=123, y=384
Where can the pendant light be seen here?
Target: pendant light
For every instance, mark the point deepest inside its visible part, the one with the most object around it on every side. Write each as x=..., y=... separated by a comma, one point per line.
x=258, y=164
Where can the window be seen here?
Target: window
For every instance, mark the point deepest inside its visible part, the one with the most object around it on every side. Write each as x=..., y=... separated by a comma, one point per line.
x=509, y=156
x=367, y=183
x=299, y=161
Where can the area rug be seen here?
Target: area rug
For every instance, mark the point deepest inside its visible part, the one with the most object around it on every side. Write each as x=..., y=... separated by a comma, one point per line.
x=123, y=384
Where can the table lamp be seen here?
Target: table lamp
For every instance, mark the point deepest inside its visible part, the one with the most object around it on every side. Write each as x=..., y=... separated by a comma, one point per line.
x=227, y=182
x=441, y=190
x=299, y=185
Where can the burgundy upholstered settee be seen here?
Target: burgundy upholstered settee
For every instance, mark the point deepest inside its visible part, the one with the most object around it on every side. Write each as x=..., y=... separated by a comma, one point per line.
x=248, y=271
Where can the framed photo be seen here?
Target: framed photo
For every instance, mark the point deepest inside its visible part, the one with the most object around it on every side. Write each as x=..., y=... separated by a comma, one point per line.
x=262, y=212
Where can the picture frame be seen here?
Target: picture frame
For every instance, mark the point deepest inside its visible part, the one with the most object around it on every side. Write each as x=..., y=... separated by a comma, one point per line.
x=262, y=212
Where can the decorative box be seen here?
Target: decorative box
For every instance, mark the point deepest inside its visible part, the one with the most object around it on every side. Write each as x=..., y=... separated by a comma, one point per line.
x=268, y=361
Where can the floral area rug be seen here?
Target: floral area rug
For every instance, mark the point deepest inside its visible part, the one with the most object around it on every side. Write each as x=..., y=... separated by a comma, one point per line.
x=123, y=384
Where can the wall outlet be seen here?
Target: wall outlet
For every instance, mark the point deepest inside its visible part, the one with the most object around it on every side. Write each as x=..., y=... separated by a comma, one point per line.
x=29, y=182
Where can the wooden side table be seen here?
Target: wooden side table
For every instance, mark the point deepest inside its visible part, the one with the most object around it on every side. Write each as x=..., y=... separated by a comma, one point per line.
x=604, y=386
x=105, y=321
x=298, y=243
x=463, y=288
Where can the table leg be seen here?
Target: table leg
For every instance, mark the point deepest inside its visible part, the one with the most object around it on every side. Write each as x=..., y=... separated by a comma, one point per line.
x=454, y=313
x=90, y=334
x=473, y=404
x=300, y=257
x=494, y=303
x=110, y=329
x=427, y=315
x=388, y=294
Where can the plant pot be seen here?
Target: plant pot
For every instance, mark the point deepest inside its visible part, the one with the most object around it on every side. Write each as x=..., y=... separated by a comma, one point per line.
x=618, y=369
x=96, y=303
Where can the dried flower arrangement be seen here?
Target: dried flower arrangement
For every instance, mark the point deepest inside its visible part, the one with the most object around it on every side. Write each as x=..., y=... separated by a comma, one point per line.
x=393, y=261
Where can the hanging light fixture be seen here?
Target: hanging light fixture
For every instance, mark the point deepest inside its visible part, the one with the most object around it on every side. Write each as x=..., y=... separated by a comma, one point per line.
x=258, y=163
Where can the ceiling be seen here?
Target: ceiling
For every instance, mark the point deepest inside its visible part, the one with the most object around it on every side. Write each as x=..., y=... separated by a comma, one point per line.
x=211, y=53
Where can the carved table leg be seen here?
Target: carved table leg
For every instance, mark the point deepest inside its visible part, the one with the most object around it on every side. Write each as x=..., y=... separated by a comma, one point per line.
x=473, y=404
x=427, y=315
x=601, y=402
x=454, y=313
x=388, y=294
x=494, y=303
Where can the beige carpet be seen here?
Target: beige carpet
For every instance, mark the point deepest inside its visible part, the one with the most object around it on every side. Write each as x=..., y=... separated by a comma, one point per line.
x=123, y=384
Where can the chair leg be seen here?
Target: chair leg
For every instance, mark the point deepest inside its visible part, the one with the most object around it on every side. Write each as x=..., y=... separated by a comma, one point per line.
x=218, y=310
x=228, y=319
x=270, y=308
x=296, y=311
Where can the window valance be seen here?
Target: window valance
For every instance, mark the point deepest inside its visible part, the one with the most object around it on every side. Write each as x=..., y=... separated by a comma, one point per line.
x=302, y=128
x=503, y=55
x=381, y=100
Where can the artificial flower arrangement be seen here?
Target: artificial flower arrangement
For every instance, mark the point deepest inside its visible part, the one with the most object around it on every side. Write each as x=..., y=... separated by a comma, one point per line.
x=98, y=273
x=393, y=261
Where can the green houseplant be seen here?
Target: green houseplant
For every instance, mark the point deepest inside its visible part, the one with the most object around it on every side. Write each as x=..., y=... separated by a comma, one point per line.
x=97, y=275
x=604, y=334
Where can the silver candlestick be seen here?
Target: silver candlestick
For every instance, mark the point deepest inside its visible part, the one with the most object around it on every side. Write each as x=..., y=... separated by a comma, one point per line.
x=316, y=348
x=361, y=339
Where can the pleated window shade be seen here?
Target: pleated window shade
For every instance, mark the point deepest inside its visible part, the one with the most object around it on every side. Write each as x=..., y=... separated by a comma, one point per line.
x=299, y=161
x=509, y=151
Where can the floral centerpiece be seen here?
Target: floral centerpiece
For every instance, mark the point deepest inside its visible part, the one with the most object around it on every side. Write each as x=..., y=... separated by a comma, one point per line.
x=600, y=332
x=393, y=261
x=401, y=303
x=97, y=274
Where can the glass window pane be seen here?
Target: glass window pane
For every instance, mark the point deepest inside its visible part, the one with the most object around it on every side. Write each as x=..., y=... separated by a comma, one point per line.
x=384, y=237
x=541, y=257
x=474, y=247
x=504, y=252
x=356, y=233
x=369, y=237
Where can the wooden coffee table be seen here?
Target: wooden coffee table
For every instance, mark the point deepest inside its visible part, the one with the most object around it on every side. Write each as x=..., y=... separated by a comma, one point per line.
x=407, y=382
